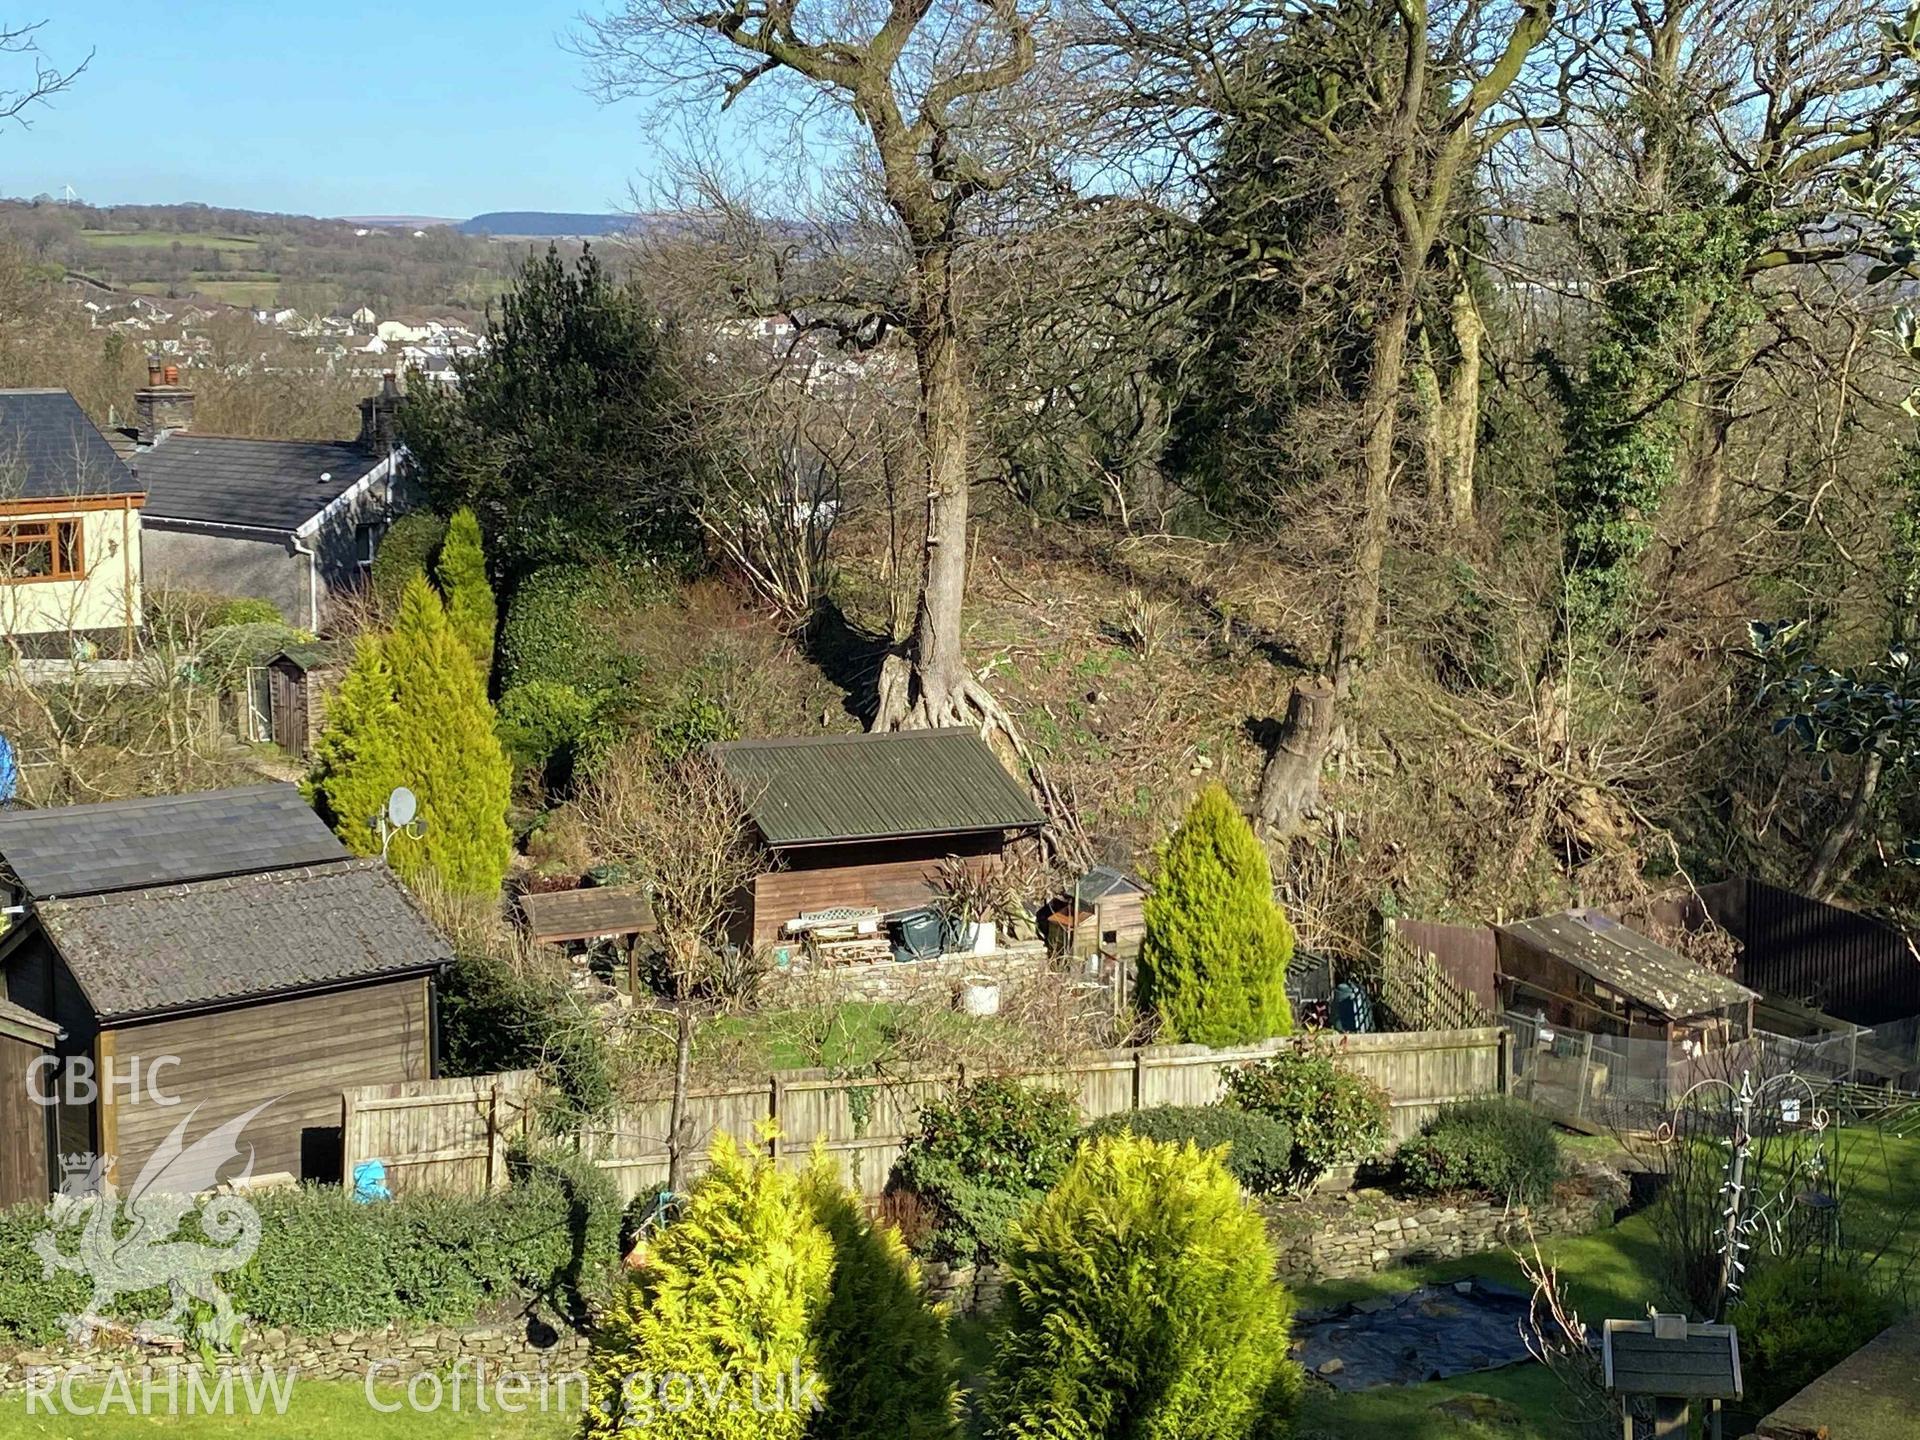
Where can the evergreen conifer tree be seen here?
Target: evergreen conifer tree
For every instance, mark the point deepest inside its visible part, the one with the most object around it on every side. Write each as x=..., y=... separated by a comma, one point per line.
x=357, y=759
x=725, y=1303
x=884, y=1356
x=1213, y=964
x=453, y=758
x=462, y=573
x=1142, y=1304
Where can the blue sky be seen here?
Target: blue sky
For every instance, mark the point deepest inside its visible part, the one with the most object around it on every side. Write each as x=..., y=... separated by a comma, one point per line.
x=323, y=107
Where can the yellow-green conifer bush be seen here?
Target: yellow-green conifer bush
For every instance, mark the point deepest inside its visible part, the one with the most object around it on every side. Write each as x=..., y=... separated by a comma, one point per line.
x=462, y=573
x=1142, y=1305
x=357, y=760
x=882, y=1341
x=715, y=1336
x=1213, y=963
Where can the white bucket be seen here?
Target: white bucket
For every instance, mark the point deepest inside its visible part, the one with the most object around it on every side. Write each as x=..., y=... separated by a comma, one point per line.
x=986, y=937
x=980, y=995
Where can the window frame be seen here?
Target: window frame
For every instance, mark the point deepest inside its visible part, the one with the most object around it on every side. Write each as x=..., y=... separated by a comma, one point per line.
x=65, y=542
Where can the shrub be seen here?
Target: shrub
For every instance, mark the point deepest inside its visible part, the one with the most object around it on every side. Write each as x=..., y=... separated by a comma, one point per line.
x=542, y=723
x=325, y=1263
x=1798, y=1319
x=1501, y=1147
x=244, y=610
x=552, y=631
x=1258, y=1148
x=357, y=760
x=1213, y=964
x=882, y=1343
x=1334, y=1115
x=226, y=651
x=406, y=550
x=981, y=1158
x=495, y=1017
x=585, y=1201
x=729, y=1295
x=1141, y=1301
x=462, y=575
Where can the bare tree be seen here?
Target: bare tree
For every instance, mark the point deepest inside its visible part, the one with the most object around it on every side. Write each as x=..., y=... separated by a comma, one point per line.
x=48, y=79
x=913, y=76
x=683, y=829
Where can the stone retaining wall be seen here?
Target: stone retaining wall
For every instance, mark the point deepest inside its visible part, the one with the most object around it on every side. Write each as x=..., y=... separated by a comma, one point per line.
x=1334, y=1237
x=1384, y=1232
x=517, y=1347
x=935, y=981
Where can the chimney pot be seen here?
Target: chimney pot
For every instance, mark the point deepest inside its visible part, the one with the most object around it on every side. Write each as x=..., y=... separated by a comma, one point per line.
x=172, y=375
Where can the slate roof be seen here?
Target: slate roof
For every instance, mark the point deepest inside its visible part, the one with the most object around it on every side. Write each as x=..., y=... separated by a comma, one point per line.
x=125, y=844
x=265, y=484
x=180, y=947
x=811, y=790
x=1628, y=962
x=50, y=450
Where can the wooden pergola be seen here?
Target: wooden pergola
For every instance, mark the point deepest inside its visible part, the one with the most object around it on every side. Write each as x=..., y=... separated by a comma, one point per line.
x=596, y=912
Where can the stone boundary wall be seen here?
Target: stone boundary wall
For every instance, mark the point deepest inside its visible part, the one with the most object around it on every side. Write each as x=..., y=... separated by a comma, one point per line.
x=514, y=1347
x=935, y=981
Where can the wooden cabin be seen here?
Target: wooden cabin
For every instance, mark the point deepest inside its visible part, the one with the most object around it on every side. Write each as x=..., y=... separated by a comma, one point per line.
x=1585, y=971
x=862, y=822
x=205, y=954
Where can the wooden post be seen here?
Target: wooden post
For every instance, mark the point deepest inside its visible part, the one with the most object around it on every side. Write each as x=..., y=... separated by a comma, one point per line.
x=107, y=1123
x=496, y=1143
x=1139, y=1077
x=1669, y=1418
x=347, y=1117
x=633, y=967
x=1586, y=1074
x=774, y=1107
x=1505, y=1072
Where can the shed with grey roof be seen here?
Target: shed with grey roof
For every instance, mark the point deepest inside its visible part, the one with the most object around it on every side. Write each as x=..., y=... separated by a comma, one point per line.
x=219, y=950
x=1588, y=971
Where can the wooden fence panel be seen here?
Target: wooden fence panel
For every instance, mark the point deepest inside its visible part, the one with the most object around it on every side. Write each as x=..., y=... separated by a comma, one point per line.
x=449, y=1135
x=861, y=1122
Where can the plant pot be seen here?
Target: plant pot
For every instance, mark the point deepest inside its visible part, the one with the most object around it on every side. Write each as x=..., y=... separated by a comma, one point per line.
x=983, y=938
x=980, y=995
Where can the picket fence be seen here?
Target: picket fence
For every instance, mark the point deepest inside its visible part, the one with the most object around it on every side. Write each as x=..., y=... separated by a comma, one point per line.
x=453, y=1134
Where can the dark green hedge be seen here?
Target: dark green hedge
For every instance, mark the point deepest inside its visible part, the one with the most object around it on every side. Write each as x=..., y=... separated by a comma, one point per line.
x=406, y=550
x=1500, y=1147
x=1260, y=1147
x=326, y=1263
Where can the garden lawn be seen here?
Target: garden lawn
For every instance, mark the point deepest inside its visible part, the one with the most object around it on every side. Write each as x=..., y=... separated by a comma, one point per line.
x=319, y=1408
x=851, y=1038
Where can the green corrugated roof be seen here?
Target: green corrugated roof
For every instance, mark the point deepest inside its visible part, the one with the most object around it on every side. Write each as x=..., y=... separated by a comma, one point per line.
x=811, y=790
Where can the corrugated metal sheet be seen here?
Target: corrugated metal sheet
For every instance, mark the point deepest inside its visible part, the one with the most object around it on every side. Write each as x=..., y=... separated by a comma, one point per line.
x=835, y=788
x=1839, y=961
x=1628, y=962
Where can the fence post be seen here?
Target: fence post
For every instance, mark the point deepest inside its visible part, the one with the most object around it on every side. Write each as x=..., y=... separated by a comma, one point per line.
x=773, y=1116
x=347, y=1161
x=1586, y=1079
x=1139, y=1078
x=496, y=1151
x=1505, y=1071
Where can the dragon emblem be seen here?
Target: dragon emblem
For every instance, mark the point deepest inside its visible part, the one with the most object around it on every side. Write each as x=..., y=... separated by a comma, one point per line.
x=126, y=1246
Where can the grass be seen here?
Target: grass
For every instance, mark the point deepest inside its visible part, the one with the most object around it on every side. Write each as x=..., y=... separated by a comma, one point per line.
x=849, y=1038
x=316, y=1407
x=164, y=239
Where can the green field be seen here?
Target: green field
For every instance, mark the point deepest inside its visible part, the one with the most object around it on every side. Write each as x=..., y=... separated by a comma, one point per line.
x=163, y=239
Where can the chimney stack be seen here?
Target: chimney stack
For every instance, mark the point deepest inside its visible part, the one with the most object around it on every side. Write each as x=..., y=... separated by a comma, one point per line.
x=163, y=405
x=376, y=416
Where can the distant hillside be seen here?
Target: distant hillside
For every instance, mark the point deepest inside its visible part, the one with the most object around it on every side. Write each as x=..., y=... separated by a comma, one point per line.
x=545, y=222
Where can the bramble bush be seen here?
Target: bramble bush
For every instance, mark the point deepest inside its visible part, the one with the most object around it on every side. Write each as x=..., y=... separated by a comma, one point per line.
x=1259, y=1148
x=1502, y=1147
x=1142, y=1302
x=1334, y=1115
x=981, y=1158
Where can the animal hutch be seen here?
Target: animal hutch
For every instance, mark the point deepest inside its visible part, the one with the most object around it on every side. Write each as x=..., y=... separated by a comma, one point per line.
x=1611, y=1026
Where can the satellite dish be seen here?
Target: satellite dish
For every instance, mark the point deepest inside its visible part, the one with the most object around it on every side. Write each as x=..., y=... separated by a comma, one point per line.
x=402, y=807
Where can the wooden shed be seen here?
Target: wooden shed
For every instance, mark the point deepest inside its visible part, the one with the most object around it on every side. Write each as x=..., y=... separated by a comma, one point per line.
x=27, y=1163
x=1585, y=971
x=862, y=822
x=1101, y=913
x=208, y=954
x=299, y=682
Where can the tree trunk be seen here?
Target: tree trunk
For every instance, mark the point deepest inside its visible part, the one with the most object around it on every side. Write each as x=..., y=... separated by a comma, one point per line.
x=1707, y=452
x=1290, y=784
x=679, y=1123
x=1461, y=410
x=1359, y=619
x=1825, y=870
